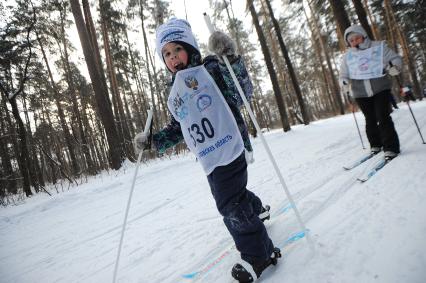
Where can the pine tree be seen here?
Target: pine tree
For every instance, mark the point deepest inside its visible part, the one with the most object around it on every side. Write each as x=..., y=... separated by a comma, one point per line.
x=274, y=80
x=16, y=54
x=90, y=48
x=290, y=68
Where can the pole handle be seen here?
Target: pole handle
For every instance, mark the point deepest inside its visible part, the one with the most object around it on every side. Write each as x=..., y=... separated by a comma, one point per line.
x=208, y=22
x=148, y=121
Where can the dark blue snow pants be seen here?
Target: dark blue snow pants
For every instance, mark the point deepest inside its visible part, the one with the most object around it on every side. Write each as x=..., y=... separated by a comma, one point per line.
x=240, y=209
x=378, y=121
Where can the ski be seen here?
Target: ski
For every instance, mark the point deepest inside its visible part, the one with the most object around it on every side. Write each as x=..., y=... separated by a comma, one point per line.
x=359, y=161
x=211, y=263
x=195, y=276
x=373, y=170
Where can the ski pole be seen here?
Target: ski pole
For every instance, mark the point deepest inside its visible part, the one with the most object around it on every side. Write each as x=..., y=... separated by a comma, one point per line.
x=407, y=100
x=262, y=138
x=147, y=126
x=357, y=127
x=415, y=122
x=353, y=113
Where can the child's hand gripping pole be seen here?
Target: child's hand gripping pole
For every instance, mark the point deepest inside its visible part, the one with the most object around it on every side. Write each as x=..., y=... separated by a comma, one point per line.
x=262, y=138
x=146, y=129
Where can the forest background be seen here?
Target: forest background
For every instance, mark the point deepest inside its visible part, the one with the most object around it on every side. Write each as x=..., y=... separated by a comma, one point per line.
x=77, y=77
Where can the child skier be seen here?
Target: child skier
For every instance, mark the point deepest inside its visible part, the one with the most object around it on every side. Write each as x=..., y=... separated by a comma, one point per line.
x=205, y=113
x=362, y=75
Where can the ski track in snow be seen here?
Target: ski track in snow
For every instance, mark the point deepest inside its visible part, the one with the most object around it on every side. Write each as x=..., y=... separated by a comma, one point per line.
x=370, y=232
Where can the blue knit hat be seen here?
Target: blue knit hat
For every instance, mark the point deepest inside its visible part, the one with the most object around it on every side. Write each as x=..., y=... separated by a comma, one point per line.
x=175, y=30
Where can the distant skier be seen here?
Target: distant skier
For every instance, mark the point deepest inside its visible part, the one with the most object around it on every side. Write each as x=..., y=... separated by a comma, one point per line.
x=205, y=107
x=362, y=74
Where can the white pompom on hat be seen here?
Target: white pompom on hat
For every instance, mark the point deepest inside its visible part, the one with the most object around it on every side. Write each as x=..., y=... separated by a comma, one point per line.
x=174, y=30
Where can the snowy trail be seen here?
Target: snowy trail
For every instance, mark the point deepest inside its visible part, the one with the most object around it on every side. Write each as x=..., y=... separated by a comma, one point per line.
x=371, y=232
x=328, y=198
x=322, y=200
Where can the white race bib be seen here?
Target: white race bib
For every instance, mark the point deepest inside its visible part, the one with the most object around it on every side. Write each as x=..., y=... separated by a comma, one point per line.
x=208, y=126
x=365, y=64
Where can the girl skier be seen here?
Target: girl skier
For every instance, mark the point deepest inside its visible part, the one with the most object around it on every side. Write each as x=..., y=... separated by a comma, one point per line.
x=362, y=75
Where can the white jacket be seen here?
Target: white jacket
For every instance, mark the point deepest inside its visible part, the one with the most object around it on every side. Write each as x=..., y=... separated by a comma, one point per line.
x=369, y=87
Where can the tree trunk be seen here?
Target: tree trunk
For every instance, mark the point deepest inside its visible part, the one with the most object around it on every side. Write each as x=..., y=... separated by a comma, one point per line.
x=73, y=94
x=101, y=93
x=129, y=116
x=270, y=67
x=340, y=15
x=122, y=121
x=8, y=184
x=336, y=88
x=289, y=64
x=64, y=126
x=279, y=64
x=333, y=107
x=32, y=159
x=137, y=106
x=91, y=31
x=23, y=154
x=372, y=21
x=390, y=33
x=362, y=17
x=156, y=122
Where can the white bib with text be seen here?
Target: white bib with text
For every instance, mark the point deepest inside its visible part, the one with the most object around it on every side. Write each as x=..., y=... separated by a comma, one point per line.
x=208, y=126
x=365, y=64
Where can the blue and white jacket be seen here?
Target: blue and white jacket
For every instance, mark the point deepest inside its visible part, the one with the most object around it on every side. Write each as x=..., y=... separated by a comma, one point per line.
x=171, y=134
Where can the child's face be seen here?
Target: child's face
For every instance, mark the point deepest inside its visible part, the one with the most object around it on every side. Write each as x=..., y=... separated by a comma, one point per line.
x=355, y=40
x=175, y=56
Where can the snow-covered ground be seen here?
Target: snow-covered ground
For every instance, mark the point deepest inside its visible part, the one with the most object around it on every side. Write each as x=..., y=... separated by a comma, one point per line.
x=362, y=232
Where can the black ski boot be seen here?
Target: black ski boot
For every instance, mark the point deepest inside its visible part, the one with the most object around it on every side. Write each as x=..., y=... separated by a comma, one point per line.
x=264, y=213
x=243, y=276
x=259, y=268
x=375, y=150
x=389, y=155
